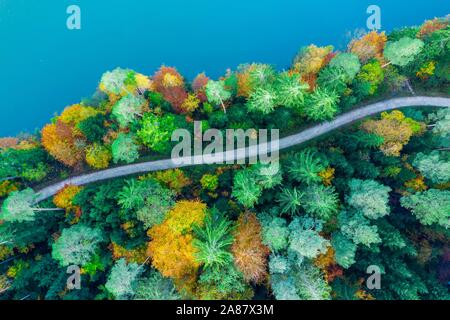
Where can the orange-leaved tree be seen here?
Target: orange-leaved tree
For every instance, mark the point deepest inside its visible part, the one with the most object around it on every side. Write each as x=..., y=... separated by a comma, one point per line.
x=250, y=254
x=310, y=60
x=59, y=140
x=136, y=255
x=396, y=130
x=169, y=82
x=64, y=198
x=199, y=84
x=8, y=142
x=431, y=26
x=174, y=179
x=369, y=46
x=171, y=246
x=327, y=263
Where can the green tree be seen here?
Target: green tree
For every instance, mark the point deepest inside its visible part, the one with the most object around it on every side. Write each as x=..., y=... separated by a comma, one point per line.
x=275, y=232
x=291, y=91
x=263, y=100
x=156, y=131
x=362, y=139
x=268, y=175
x=133, y=194
x=36, y=173
x=357, y=228
x=311, y=284
x=22, y=235
x=369, y=197
x=433, y=166
x=344, y=250
x=370, y=77
x=283, y=287
x=279, y=264
x=320, y=201
x=216, y=93
x=333, y=79
x=305, y=166
x=93, y=128
x=122, y=279
x=213, y=241
x=304, y=238
x=29, y=164
x=19, y=206
x=290, y=201
x=224, y=282
x=301, y=283
x=321, y=105
x=441, y=122
x=246, y=188
x=209, y=182
x=261, y=76
x=148, y=199
x=156, y=287
x=125, y=149
x=391, y=237
x=76, y=245
x=348, y=62
x=429, y=207
x=127, y=109
x=403, y=51
x=114, y=81
x=158, y=201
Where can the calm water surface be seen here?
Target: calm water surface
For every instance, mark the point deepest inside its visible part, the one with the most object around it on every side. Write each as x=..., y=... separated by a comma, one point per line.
x=45, y=67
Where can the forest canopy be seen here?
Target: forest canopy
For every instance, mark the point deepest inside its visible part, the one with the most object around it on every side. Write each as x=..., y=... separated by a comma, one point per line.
x=375, y=193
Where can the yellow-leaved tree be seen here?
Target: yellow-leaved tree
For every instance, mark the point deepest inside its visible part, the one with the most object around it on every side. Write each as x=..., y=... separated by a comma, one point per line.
x=396, y=129
x=171, y=246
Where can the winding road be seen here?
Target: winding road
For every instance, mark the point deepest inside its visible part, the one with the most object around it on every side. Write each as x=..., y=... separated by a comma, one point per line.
x=239, y=154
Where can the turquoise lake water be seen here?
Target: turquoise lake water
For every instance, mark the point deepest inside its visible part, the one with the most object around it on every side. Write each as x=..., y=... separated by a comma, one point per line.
x=45, y=67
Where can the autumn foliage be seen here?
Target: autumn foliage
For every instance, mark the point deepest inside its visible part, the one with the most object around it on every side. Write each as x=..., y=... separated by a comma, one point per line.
x=426, y=70
x=98, y=156
x=64, y=198
x=58, y=139
x=8, y=142
x=6, y=187
x=327, y=176
x=310, y=61
x=327, y=263
x=174, y=179
x=198, y=85
x=76, y=113
x=312, y=58
x=136, y=255
x=169, y=82
x=369, y=46
x=395, y=129
x=250, y=254
x=431, y=26
x=244, y=87
x=171, y=246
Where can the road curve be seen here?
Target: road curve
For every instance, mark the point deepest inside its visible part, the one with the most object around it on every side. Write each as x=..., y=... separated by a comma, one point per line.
x=303, y=136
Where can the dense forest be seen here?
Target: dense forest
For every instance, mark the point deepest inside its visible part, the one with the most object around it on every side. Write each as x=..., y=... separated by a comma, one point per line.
x=375, y=194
